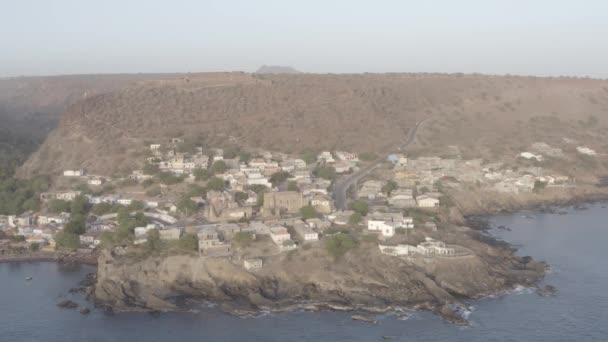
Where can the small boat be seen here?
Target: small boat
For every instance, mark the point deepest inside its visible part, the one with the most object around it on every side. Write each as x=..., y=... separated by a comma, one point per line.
x=28, y=278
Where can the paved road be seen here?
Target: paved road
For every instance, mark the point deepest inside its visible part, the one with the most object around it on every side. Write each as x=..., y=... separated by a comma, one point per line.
x=342, y=185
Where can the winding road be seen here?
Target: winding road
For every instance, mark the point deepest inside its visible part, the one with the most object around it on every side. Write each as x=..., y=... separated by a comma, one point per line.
x=342, y=185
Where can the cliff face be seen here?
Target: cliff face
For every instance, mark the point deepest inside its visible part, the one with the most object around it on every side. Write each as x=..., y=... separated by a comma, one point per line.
x=364, y=278
x=485, y=116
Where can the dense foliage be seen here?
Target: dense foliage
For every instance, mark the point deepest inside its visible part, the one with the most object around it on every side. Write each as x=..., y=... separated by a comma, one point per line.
x=360, y=207
x=339, y=244
x=18, y=196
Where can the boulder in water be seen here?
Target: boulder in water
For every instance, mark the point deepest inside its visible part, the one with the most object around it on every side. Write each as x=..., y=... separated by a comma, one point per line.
x=67, y=304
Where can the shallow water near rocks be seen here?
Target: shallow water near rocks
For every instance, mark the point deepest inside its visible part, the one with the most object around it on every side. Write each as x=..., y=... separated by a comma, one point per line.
x=574, y=245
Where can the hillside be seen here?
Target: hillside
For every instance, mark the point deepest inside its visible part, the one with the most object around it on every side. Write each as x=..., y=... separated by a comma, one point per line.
x=30, y=107
x=484, y=116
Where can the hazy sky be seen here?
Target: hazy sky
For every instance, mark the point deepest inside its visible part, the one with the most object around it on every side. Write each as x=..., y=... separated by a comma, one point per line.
x=540, y=37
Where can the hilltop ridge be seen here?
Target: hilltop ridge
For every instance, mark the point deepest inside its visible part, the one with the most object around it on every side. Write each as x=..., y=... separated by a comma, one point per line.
x=484, y=116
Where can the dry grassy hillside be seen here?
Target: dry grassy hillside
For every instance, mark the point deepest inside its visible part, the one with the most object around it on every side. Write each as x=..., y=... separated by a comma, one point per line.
x=30, y=107
x=485, y=116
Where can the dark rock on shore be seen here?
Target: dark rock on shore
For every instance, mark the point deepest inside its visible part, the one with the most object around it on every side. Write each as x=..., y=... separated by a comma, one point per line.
x=85, y=311
x=67, y=304
x=546, y=291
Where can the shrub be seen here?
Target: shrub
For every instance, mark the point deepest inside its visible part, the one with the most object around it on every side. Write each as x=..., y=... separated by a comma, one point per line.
x=243, y=239
x=168, y=178
x=186, y=205
x=189, y=242
x=389, y=187
x=292, y=186
x=216, y=184
x=67, y=240
x=154, y=192
x=153, y=242
x=278, y=177
x=218, y=167
x=240, y=196
x=201, y=175
x=308, y=212
x=150, y=169
x=368, y=156
x=325, y=172
x=355, y=219
x=360, y=207
x=58, y=206
x=340, y=244
x=102, y=209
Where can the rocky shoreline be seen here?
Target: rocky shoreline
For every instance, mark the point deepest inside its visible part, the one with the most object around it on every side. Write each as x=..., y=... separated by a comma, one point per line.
x=129, y=296
x=61, y=257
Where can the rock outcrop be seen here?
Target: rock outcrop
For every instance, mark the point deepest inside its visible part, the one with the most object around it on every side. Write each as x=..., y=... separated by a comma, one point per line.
x=362, y=279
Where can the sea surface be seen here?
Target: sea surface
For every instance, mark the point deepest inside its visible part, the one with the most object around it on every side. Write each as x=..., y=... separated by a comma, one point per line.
x=575, y=245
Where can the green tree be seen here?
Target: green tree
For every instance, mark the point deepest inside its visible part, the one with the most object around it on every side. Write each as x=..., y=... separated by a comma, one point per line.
x=278, y=177
x=389, y=187
x=153, y=192
x=58, y=206
x=218, y=167
x=243, y=239
x=539, y=186
x=188, y=242
x=140, y=220
x=34, y=247
x=258, y=188
x=136, y=206
x=308, y=212
x=76, y=226
x=244, y=157
x=201, y=175
x=355, y=219
x=309, y=157
x=196, y=190
x=216, y=184
x=240, y=196
x=67, y=240
x=187, y=206
x=292, y=186
x=360, y=207
x=79, y=206
x=168, y=178
x=325, y=172
x=106, y=238
x=339, y=244
x=368, y=156
x=153, y=242
x=100, y=209
x=150, y=169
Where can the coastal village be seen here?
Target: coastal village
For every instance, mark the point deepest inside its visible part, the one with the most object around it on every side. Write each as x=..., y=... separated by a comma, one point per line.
x=251, y=206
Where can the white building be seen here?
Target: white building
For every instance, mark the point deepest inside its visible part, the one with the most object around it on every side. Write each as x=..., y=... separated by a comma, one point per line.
x=326, y=156
x=306, y=233
x=279, y=235
x=529, y=155
x=124, y=201
x=586, y=150
x=95, y=181
x=253, y=264
x=73, y=173
x=425, y=201
x=387, y=229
